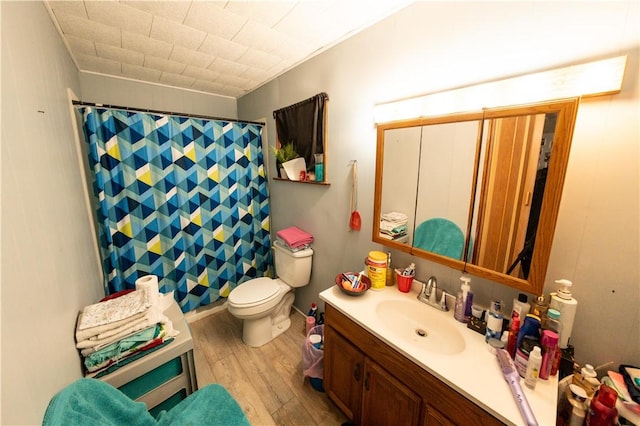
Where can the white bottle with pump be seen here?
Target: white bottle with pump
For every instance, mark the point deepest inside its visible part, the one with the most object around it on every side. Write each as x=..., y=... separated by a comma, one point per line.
x=566, y=305
x=461, y=300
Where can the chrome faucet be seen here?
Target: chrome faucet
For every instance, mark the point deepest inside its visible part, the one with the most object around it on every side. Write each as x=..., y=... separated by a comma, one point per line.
x=429, y=295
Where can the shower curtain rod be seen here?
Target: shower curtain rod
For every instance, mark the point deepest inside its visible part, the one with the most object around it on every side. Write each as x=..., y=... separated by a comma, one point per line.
x=152, y=111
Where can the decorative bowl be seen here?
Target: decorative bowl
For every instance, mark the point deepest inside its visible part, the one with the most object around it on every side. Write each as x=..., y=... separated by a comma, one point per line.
x=345, y=285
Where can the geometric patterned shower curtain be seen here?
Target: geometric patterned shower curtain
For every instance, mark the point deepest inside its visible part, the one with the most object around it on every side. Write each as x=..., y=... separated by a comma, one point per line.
x=182, y=198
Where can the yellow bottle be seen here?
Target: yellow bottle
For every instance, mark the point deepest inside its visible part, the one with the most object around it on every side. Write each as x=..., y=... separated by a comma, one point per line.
x=390, y=272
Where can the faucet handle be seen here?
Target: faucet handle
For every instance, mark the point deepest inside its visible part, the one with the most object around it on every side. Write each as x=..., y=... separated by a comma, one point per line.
x=443, y=301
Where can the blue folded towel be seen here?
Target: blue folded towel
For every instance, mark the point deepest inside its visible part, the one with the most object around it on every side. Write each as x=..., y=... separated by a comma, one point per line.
x=94, y=402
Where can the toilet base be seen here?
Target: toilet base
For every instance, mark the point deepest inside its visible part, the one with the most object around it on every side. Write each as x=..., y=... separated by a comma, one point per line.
x=259, y=331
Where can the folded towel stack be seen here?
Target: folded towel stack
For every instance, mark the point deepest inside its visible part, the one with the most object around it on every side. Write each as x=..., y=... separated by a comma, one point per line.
x=295, y=238
x=112, y=330
x=393, y=225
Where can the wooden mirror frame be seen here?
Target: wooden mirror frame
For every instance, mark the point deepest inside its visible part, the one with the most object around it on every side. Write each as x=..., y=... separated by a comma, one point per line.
x=566, y=111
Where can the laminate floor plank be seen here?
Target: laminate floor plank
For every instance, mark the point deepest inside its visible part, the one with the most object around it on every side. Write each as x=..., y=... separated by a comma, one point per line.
x=267, y=381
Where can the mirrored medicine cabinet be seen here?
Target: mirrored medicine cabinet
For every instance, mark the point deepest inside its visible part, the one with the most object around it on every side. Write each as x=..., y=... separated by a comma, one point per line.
x=480, y=191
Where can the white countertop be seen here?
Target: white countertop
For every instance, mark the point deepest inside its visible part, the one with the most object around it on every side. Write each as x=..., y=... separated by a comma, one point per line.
x=473, y=372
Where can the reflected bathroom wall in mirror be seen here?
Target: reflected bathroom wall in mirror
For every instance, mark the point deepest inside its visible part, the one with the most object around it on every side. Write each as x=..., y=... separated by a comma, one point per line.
x=445, y=183
x=399, y=185
x=497, y=175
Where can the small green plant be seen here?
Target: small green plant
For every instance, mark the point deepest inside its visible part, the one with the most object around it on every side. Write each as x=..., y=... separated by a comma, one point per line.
x=285, y=153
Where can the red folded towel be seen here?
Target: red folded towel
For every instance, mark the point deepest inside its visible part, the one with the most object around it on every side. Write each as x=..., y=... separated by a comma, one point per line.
x=295, y=237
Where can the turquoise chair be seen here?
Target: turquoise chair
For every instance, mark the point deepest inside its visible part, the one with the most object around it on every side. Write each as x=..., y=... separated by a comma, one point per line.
x=93, y=402
x=440, y=236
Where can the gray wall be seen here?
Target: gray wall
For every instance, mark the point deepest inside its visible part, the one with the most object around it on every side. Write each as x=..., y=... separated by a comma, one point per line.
x=434, y=46
x=48, y=267
x=123, y=92
x=49, y=264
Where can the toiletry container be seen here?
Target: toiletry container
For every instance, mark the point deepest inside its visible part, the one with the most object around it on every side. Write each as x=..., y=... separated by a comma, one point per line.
x=520, y=303
x=522, y=354
x=533, y=368
x=539, y=307
x=529, y=327
x=552, y=323
x=390, y=272
x=494, y=320
x=461, y=300
x=377, y=269
x=574, y=409
x=587, y=379
x=602, y=411
x=468, y=301
x=513, y=335
x=563, y=302
x=549, y=342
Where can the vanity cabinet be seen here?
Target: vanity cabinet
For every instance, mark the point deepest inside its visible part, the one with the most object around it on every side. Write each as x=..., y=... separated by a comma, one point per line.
x=373, y=384
x=364, y=390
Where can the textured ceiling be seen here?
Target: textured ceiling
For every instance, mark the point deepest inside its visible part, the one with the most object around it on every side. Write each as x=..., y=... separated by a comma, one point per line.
x=225, y=48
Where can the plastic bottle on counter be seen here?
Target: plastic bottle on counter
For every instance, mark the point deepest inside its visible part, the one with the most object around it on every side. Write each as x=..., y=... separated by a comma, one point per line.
x=602, y=411
x=513, y=335
x=563, y=302
x=549, y=342
x=522, y=354
x=552, y=321
x=520, y=304
x=391, y=276
x=529, y=327
x=533, y=368
x=539, y=307
x=494, y=321
x=461, y=300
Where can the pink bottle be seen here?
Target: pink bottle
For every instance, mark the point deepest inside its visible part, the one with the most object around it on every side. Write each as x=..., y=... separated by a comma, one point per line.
x=549, y=342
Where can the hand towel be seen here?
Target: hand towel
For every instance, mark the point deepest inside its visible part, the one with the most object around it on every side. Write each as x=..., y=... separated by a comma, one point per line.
x=295, y=237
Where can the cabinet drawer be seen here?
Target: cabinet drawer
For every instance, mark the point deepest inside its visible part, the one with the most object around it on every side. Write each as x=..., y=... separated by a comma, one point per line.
x=153, y=379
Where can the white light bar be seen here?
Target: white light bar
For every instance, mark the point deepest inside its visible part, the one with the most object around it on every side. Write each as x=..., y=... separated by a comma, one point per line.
x=591, y=79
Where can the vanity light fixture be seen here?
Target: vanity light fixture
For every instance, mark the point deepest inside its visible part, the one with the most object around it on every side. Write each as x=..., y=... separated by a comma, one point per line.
x=591, y=79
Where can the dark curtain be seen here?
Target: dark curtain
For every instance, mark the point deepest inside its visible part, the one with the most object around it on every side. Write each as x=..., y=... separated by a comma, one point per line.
x=303, y=124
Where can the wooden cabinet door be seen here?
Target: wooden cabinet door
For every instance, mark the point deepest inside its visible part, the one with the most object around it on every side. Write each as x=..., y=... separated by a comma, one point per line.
x=343, y=373
x=386, y=401
x=434, y=417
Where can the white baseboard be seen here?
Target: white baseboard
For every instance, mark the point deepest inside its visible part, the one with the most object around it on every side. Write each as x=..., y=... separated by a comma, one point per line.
x=205, y=311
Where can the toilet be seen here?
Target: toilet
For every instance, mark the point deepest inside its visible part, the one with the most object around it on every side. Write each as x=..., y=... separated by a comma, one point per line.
x=264, y=303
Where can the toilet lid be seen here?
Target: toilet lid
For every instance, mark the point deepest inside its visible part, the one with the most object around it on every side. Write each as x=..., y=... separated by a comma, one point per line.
x=255, y=291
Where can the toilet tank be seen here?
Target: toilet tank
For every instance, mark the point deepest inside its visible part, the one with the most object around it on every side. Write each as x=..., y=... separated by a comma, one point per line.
x=294, y=268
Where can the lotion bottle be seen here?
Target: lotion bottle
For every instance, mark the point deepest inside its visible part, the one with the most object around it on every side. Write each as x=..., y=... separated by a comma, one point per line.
x=533, y=368
x=566, y=305
x=461, y=300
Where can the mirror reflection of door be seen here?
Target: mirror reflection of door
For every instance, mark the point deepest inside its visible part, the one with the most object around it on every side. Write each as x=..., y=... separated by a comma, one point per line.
x=516, y=158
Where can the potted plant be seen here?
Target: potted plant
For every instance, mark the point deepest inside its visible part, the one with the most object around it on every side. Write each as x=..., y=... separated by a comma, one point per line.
x=283, y=154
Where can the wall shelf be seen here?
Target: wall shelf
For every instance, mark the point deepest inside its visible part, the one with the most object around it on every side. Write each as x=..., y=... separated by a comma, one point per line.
x=300, y=181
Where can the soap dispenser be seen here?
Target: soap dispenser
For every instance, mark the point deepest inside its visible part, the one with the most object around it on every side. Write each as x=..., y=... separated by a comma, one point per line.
x=563, y=302
x=463, y=300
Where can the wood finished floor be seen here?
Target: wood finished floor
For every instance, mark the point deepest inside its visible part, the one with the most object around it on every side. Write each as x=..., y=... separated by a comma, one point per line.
x=267, y=381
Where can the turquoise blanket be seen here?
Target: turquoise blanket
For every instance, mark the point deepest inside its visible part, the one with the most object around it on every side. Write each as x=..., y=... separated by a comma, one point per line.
x=94, y=402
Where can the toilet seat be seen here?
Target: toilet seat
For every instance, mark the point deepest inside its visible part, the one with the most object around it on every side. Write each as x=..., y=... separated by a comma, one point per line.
x=257, y=291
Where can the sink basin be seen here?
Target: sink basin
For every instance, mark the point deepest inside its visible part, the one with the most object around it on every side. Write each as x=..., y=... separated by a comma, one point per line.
x=420, y=326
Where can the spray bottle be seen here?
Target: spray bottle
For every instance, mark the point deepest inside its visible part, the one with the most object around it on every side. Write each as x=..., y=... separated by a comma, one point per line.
x=566, y=305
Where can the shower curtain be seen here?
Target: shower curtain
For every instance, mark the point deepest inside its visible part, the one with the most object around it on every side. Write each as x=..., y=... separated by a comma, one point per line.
x=182, y=198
